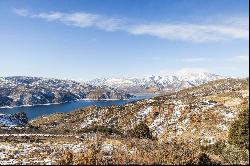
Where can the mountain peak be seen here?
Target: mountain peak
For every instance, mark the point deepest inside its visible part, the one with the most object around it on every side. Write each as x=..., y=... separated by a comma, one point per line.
x=176, y=82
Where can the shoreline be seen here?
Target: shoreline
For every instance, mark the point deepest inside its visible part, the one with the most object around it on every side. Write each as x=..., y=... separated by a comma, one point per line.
x=47, y=104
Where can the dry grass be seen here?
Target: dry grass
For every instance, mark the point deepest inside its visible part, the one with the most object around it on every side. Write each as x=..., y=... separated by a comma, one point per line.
x=147, y=152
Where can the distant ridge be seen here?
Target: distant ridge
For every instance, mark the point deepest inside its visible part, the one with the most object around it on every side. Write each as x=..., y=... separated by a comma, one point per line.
x=156, y=83
x=21, y=90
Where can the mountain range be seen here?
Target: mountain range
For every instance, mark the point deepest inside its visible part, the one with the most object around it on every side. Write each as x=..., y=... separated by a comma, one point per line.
x=156, y=83
x=21, y=90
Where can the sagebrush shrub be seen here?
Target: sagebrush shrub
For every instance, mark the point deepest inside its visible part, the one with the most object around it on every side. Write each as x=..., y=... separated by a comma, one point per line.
x=239, y=130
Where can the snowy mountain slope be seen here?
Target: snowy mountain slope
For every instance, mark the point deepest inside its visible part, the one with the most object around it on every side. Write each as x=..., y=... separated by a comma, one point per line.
x=11, y=120
x=18, y=91
x=156, y=83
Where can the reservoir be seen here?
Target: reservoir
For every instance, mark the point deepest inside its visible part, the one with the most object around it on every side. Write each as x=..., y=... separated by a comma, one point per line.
x=39, y=110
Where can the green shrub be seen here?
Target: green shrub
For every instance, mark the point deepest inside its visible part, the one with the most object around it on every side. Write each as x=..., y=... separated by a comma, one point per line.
x=239, y=130
x=233, y=155
x=141, y=131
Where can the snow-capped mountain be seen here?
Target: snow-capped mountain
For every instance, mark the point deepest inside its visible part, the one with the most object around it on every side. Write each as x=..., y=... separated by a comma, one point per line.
x=18, y=91
x=156, y=83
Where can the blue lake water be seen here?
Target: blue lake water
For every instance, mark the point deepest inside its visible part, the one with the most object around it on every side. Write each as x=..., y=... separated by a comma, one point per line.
x=36, y=111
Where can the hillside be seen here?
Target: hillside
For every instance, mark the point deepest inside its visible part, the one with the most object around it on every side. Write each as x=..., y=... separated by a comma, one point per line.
x=18, y=91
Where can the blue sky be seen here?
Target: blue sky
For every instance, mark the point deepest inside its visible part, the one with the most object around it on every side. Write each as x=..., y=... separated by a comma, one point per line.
x=86, y=39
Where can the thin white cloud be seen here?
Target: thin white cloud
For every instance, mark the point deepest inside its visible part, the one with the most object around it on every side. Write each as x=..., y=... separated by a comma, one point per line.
x=236, y=28
x=78, y=19
x=81, y=19
x=240, y=58
x=49, y=16
x=243, y=57
x=192, y=32
x=194, y=59
x=20, y=12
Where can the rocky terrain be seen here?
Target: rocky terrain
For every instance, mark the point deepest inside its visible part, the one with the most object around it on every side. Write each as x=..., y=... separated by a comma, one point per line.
x=18, y=91
x=191, y=126
x=13, y=120
x=156, y=83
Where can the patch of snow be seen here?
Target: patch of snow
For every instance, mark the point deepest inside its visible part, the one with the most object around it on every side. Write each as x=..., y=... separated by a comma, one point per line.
x=233, y=102
x=157, y=125
x=244, y=93
x=222, y=127
x=107, y=149
x=141, y=115
x=228, y=116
